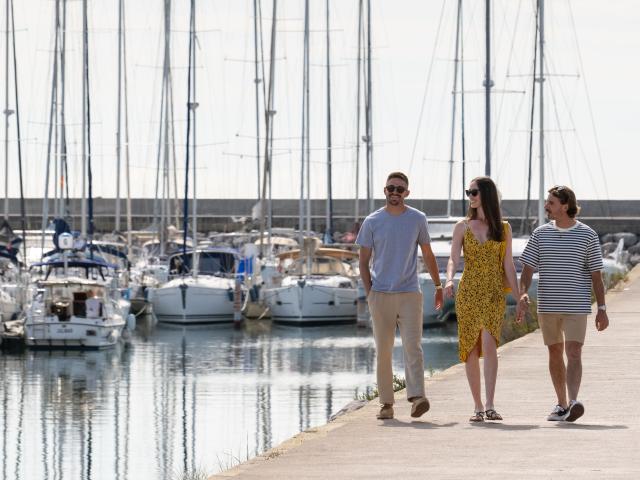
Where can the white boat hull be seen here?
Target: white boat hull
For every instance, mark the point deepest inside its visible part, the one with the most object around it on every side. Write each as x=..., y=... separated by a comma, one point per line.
x=191, y=301
x=77, y=332
x=306, y=303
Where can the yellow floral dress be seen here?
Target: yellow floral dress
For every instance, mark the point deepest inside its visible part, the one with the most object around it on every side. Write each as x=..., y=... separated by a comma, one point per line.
x=480, y=301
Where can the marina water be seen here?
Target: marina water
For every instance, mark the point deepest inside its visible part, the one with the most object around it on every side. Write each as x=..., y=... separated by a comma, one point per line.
x=178, y=400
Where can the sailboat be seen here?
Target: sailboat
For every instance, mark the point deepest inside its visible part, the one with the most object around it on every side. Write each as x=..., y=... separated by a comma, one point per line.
x=318, y=286
x=12, y=278
x=203, y=284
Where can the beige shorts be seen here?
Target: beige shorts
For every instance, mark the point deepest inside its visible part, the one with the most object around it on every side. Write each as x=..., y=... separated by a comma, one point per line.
x=562, y=327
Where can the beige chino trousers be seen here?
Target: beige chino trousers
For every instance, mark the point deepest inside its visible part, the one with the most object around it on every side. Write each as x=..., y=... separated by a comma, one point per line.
x=388, y=312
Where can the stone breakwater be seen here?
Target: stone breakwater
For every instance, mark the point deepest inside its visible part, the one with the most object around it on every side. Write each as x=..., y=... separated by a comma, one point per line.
x=630, y=253
x=225, y=215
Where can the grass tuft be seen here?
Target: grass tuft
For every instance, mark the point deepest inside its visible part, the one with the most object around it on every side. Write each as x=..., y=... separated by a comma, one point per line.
x=399, y=383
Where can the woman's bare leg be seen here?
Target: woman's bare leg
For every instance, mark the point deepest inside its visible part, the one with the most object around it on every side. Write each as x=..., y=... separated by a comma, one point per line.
x=472, y=367
x=489, y=349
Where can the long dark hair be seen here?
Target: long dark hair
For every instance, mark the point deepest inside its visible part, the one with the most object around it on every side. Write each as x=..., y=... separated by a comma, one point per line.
x=490, y=202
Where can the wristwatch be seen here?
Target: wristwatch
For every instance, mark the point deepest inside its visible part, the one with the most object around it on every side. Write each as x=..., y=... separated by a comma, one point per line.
x=602, y=308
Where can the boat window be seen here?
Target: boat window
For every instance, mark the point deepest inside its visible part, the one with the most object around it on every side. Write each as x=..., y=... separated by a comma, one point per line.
x=210, y=263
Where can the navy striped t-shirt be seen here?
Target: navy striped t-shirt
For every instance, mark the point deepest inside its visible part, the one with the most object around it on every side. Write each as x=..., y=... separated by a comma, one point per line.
x=565, y=259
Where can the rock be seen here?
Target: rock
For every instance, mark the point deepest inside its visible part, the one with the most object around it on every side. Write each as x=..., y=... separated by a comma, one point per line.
x=606, y=238
x=634, y=260
x=635, y=250
x=630, y=239
x=349, y=407
x=609, y=247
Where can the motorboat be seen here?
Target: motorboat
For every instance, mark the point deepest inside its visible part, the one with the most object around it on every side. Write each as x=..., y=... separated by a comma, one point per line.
x=69, y=310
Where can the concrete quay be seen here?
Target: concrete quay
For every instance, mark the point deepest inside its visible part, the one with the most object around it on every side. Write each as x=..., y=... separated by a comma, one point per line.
x=442, y=444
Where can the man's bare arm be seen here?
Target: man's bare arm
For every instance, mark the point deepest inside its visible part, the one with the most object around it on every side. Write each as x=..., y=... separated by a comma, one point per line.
x=365, y=273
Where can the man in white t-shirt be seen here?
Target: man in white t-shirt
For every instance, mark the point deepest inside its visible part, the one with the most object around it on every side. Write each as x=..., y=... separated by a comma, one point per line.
x=568, y=258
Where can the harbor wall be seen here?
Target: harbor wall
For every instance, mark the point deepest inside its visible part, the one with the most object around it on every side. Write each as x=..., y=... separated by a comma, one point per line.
x=226, y=215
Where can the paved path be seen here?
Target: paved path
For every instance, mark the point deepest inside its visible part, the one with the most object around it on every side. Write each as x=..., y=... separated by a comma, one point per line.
x=604, y=444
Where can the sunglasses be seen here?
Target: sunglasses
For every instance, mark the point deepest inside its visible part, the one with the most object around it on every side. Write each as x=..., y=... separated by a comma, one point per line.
x=472, y=193
x=395, y=188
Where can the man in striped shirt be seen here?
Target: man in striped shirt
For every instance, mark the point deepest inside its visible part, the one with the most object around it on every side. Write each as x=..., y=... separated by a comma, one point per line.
x=567, y=255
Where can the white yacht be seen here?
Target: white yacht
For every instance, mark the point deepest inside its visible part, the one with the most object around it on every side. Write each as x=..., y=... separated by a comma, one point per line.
x=70, y=311
x=202, y=295
x=317, y=288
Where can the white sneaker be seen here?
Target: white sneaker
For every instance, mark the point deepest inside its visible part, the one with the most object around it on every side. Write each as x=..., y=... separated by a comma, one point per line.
x=575, y=411
x=558, y=414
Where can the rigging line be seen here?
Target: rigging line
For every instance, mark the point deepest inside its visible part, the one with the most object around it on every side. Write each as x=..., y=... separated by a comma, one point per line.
x=572, y=122
x=582, y=150
x=15, y=81
x=426, y=88
x=501, y=103
x=54, y=95
x=591, y=116
x=185, y=213
x=525, y=215
x=562, y=142
x=88, y=102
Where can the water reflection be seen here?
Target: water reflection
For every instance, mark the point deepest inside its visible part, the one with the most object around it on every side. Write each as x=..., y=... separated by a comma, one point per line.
x=183, y=398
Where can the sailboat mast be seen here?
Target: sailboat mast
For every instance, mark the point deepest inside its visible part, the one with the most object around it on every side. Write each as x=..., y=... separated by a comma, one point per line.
x=454, y=100
x=119, y=117
x=52, y=120
x=304, y=140
x=126, y=125
x=7, y=112
x=368, y=116
x=462, y=116
x=23, y=215
x=358, y=94
x=83, y=209
x=256, y=81
x=269, y=113
x=524, y=226
x=307, y=131
x=63, y=183
x=541, y=190
x=487, y=90
x=193, y=105
x=329, y=220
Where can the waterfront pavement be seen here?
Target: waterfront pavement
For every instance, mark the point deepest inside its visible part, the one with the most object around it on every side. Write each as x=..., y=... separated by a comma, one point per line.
x=603, y=444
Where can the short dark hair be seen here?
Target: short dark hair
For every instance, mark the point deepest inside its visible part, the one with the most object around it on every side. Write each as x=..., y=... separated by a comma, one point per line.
x=566, y=197
x=399, y=175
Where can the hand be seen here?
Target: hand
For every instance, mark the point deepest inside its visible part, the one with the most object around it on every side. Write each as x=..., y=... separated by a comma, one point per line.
x=522, y=308
x=448, y=289
x=602, y=320
x=438, y=299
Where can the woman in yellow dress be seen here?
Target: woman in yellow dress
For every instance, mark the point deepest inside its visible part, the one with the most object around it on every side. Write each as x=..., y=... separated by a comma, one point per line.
x=480, y=300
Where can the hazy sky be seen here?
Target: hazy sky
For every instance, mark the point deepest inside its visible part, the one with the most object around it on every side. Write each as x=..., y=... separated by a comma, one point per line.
x=592, y=99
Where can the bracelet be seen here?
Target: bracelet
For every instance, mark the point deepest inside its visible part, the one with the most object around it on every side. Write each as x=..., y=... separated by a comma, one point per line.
x=439, y=286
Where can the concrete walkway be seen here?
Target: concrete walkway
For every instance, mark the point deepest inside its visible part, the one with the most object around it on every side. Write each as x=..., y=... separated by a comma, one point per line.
x=604, y=444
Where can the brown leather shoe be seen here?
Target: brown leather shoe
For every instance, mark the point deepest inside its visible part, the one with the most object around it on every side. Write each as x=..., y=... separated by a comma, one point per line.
x=420, y=406
x=386, y=412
